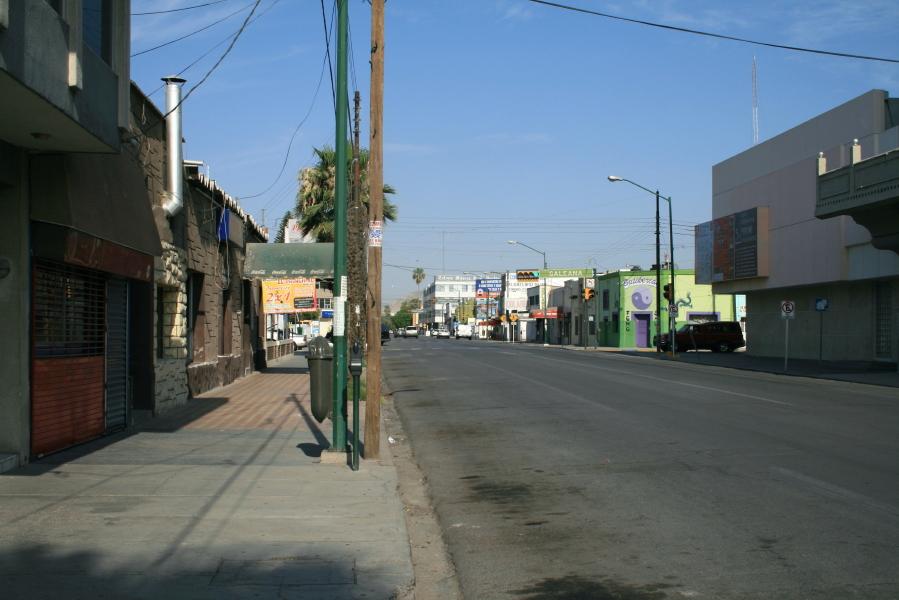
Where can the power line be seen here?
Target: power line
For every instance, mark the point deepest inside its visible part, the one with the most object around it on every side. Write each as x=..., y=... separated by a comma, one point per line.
x=219, y=43
x=712, y=35
x=195, y=32
x=173, y=10
x=218, y=62
x=328, y=50
x=295, y=131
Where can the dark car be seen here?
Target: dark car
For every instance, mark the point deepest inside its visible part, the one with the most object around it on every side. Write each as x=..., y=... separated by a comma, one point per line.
x=717, y=336
x=385, y=334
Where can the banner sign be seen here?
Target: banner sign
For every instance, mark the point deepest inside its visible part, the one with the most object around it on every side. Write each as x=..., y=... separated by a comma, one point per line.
x=375, y=233
x=279, y=295
x=732, y=247
x=549, y=313
x=567, y=273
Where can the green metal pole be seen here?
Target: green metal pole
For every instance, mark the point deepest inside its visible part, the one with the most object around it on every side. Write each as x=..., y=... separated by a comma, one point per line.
x=658, y=280
x=545, y=305
x=672, y=320
x=338, y=415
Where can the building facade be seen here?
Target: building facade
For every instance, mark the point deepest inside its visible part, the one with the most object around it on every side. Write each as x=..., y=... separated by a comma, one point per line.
x=775, y=238
x=624, y=306
x=77, y=242
x=443, y=296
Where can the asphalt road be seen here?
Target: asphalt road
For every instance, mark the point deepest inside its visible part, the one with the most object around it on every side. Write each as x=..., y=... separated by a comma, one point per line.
x=559, y=474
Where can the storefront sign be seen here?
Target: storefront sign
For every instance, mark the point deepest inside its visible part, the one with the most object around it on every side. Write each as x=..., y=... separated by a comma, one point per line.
x=549, y=313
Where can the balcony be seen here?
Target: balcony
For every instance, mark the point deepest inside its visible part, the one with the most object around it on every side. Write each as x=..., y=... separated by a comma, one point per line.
x=54, y=97
x=864, y=186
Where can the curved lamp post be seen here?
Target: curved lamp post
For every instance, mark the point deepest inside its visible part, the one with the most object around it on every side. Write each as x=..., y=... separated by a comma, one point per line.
x=671, y=319
x=543, y=300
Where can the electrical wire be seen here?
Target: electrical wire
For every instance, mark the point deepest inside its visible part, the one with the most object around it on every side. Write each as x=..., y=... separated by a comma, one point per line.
x=328, y=50
x=219, y=43
x=195, y=32
x=712, y=35
x=295, y=131
x=174, y=10
x=218, y=62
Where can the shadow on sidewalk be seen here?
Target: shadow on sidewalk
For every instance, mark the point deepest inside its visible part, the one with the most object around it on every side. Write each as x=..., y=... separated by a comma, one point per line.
x=45, y=570
x=322, y=443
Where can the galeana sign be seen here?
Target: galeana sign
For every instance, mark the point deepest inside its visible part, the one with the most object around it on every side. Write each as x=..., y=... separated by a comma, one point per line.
x=570, y=273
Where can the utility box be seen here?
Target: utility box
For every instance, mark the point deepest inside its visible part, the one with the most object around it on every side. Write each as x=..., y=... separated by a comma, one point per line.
x=320, y=357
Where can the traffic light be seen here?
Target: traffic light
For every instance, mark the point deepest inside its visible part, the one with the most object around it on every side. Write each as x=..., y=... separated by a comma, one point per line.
x=589, y=293
x=667, y=293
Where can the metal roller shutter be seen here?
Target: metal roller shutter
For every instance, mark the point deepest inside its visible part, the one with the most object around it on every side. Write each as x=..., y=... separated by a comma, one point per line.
x=67, y=396
x=116, y=354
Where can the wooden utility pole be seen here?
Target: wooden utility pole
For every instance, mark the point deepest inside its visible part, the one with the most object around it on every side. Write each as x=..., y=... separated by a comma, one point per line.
x=376, y=219
x=356, y=245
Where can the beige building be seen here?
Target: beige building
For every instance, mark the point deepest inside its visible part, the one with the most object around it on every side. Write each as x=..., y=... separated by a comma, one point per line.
x=771, y=240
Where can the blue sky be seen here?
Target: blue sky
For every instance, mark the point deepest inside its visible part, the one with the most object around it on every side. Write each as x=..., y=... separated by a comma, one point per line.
x=504, y=117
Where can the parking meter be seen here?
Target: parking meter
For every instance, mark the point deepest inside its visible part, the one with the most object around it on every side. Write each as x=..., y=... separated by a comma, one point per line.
x=356, y=371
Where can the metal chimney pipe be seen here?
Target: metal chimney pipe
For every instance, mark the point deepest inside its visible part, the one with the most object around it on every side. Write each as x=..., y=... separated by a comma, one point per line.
x=174, y=200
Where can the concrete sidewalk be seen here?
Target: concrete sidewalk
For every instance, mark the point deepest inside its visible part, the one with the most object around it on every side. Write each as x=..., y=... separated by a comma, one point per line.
x=884, y=374
x=226, y=498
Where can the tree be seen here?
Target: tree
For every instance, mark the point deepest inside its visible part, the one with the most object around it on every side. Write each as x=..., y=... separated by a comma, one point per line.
x=279, y=237
x=315, y=198
x=418, y=275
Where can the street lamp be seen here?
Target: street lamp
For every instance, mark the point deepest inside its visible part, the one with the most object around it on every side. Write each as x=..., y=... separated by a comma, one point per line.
x=543, y=300
x=671, y=318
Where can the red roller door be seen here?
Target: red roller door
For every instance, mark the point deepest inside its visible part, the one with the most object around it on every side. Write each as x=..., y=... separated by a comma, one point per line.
x=68, y=364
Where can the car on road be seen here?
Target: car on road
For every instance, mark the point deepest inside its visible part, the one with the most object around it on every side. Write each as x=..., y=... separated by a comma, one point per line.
x=464, y=330
x=385, y=334
x=410, y=331
x=443, y=332
x=717, y=336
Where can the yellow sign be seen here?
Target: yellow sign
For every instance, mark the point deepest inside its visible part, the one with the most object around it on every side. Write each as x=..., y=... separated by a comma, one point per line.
x=281, y=296
x=514, y=317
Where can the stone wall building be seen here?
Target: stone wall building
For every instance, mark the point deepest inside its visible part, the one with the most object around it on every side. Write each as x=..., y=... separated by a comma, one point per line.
x=206, y=313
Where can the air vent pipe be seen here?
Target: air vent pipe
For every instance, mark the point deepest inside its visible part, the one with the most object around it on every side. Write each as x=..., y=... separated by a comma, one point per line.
x=174, y=192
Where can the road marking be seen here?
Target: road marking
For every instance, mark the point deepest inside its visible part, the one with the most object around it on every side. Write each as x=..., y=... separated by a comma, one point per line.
x=836, y=491
x=669, y=381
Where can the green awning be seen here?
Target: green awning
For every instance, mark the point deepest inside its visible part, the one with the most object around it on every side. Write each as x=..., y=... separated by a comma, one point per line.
x=276, y=261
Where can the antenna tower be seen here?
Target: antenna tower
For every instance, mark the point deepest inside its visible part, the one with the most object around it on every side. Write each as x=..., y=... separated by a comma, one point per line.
x=755, y=103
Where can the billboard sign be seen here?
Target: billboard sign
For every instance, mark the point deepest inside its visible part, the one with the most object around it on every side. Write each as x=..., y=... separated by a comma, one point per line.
x=488, y=288
x=279, y=295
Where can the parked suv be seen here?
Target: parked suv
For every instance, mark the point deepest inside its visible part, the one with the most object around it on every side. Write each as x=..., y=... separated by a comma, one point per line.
x=385, y=333
x=717, y=336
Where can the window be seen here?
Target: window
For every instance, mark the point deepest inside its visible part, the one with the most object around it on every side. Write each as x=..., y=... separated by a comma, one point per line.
x=605, y=299
x=325, y=303
x=227, y=323
x=616, y=323
x=160, y=321
x=96, y=21
x=195, y=308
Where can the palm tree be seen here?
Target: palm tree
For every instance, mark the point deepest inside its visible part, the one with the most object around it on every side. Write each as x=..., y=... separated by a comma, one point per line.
x=279, y=235
x=418, y=275
x=315, y=198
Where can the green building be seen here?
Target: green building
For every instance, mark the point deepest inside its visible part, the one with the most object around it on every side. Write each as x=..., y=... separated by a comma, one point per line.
x=625, y=305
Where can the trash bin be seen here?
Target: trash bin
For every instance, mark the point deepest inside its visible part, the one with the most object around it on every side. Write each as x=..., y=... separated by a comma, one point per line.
x=320, y=357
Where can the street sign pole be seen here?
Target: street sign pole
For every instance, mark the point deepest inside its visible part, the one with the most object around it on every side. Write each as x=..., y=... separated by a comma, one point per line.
x=786, y=342
x=787, y=313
